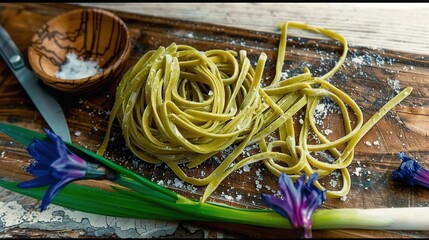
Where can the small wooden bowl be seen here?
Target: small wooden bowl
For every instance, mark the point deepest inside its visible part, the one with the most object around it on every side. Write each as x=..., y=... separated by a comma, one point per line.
x=93, y=35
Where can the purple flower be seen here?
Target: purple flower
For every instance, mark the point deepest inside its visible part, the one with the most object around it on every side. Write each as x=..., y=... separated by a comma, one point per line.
x=297, y=201
x=55, y=165
x=411, y=172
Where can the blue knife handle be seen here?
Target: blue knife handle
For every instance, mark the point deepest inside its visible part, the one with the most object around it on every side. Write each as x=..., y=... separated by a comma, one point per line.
x=10, y=53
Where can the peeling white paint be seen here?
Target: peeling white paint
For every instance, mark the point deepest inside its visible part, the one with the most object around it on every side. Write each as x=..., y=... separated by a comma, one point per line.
x=13, y=214
x=23, y=212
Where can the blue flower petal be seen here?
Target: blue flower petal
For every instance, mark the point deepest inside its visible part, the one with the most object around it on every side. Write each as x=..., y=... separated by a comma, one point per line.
x=411, y=172
x=43, y=152
x=275, y=203
x=404, y=157
x=55, y=165
x=38, y=182
x=60, y=146
x=310, y=187
x=66, y=165
x=313, y=201
x=47, y=151
x=287, y=188
x=38, y=152
x=299, y=183
x=405, y=173
x=298, y=201
x=52, y=191
x=422, y=178
x=37, y=170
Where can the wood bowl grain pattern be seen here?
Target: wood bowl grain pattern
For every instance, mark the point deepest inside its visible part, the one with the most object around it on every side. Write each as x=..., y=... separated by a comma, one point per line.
x=92, y=34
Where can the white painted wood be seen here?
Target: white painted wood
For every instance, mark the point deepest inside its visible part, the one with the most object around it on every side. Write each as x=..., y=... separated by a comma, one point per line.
x=394, y=26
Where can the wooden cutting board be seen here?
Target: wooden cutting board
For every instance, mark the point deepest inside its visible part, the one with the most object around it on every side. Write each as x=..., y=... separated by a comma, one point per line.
x=370, y=76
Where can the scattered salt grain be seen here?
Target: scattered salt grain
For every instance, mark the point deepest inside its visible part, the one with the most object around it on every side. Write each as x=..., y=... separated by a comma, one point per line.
x=357, y=172
x=358, y=60
x=229, y=198
x=394, y=84
x=328, y=157
x=333, y=183
x=238, y=198
x=258, y=185
x=177, y=183
x=328, y=131
x=76, y=68
x=284, y=75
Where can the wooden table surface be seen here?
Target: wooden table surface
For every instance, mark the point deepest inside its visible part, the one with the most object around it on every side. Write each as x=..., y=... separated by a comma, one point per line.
x=392, y=26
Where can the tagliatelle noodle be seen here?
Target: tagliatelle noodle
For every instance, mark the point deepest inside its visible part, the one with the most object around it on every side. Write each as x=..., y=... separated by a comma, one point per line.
x=178, y=105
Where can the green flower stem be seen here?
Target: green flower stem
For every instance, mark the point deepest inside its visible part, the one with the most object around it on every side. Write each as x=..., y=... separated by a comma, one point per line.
x=93, y=171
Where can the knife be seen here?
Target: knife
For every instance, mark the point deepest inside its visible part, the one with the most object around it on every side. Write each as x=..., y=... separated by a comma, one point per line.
x=45, y=102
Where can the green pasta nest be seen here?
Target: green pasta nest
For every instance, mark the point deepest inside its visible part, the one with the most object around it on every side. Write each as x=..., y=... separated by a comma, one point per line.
x=181, y=105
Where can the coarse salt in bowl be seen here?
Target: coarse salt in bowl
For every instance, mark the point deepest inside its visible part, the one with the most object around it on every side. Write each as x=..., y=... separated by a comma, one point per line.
x=80, y=51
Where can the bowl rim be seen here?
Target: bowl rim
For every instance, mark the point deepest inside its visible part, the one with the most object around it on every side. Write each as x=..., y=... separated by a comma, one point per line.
x=106, y=71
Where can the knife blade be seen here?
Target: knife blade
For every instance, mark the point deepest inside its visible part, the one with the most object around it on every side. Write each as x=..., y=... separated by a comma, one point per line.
x=45, y=102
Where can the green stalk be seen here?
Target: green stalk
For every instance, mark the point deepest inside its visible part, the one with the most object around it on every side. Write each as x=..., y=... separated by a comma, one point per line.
x=407, y=218
x=212, y=212
x=91, y=200
x=142, y=198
